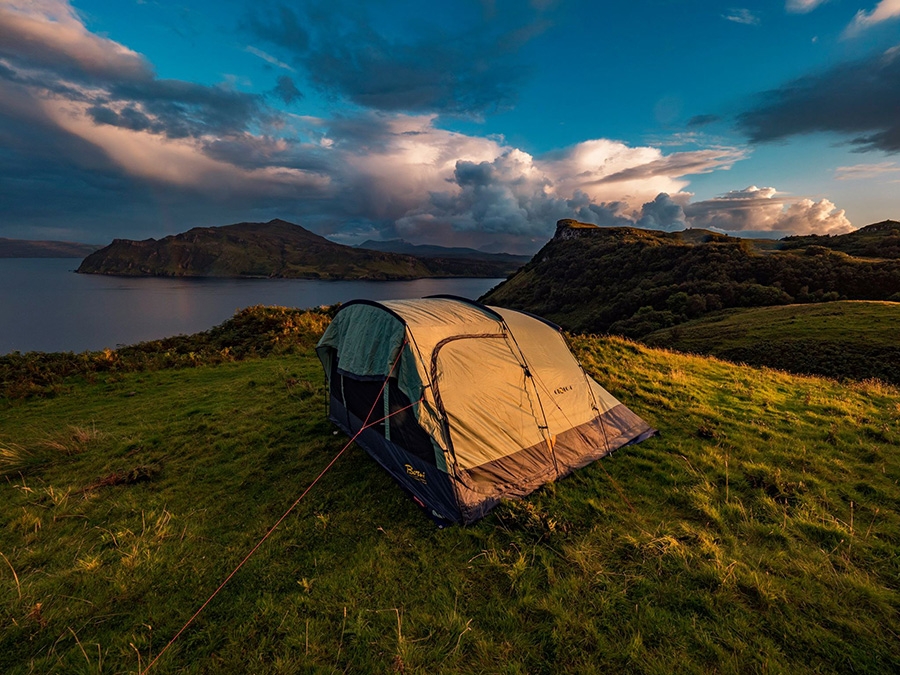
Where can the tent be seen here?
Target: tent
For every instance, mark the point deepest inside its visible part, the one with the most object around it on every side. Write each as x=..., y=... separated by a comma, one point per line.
x=465, y=404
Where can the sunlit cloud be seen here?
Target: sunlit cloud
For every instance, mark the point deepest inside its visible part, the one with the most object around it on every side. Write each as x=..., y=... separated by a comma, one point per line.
x=742, y=16
x=49, y=34
x=802, y=6
x=884, y=10
x=268, y=58
x=765, y=209
x=881, y=170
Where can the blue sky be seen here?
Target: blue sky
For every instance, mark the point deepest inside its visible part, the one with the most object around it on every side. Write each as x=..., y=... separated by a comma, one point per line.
x=465, y=123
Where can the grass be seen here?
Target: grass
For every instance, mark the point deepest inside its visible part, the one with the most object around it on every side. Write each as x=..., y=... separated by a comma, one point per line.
x=846, y=339
x=758, y=533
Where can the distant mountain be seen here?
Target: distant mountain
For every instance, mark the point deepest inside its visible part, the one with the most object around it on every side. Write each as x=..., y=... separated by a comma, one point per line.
x=632, y=282
x=273, y=249
x=24, y=248
x=433, y=251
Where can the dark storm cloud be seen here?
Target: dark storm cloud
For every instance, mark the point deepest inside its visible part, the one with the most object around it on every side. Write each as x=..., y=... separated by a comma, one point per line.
x=287, y=91
x=702, y=120
x=662, y=214
x=469, y=71
x=860, y=99
x=180, y=109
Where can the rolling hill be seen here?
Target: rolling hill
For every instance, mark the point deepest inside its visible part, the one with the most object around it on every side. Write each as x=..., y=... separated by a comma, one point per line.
x=879, y=240
x=843, y=339
x=273, y=249
x=633, y=282
x=24, y=248
x=759, y=532
x=433, y=251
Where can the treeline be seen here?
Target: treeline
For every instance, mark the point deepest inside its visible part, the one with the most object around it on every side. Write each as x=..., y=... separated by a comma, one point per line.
x=633, y=282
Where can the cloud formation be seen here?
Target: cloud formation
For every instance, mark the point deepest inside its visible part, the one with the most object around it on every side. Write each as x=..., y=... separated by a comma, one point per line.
x=86, y=120
x=755, y=209
x=469, y=71
x=880, y=170
x=884, y=10
x=859, y=99
x=743, y=16
x=49, y=34
x=802, y=6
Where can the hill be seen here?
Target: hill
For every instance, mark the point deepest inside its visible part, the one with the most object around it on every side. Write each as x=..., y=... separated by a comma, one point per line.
x=432, y=251
x=849, y=339
x=632, y=282
x=879, y=240
x=760, y=532
x=273, y=249
x=24, y=248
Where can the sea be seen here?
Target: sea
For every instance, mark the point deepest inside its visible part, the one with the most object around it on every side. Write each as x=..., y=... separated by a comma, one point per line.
x=45, y=306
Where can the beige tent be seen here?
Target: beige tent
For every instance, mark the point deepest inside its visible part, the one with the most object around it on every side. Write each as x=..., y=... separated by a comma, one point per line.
x=470, y=403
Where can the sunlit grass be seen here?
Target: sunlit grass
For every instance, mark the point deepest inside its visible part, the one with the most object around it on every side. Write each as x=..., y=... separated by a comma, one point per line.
x=758, y=533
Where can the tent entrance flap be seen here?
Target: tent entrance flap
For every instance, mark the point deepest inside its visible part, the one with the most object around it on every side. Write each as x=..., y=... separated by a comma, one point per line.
x=489, y=402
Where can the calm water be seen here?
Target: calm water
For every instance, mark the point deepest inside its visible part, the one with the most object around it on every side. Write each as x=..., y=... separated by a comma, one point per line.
x=45, y=306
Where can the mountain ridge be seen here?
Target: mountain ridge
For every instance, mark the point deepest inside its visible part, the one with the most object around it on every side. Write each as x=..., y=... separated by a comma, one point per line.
x=274, y=249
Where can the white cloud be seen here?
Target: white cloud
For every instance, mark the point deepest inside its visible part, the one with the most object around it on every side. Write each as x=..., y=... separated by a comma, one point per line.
x=765, y=209
x=268, y=58
x=49, y=33
x=803, y=6
x=885, y=10
x=181, y=162
x=743, y=16
x=868, y=171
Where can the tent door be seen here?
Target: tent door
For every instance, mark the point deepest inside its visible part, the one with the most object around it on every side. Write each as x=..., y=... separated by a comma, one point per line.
x=491, y=409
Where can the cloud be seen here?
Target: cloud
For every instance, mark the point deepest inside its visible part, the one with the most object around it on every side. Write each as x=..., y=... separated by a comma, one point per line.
x=802, y=6
x=287, y=91
x=116, y=147
x=742, y=16
x=884, y=10
x=268, y=58
x=703, y=120
x=466, y=70
x=764, y=209
x=663, y=213
x=859, y=99
x=609, y=170
x=888, y=170
x=49, y=34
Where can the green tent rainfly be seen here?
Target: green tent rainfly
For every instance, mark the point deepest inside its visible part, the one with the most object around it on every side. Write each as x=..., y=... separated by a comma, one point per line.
x=466, y=404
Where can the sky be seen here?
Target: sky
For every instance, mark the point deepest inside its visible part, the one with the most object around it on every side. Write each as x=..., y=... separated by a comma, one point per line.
x=473, y=123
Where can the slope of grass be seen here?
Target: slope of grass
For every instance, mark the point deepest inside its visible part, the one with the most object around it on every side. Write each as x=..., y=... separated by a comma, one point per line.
x=845, y=339
x=758, y=533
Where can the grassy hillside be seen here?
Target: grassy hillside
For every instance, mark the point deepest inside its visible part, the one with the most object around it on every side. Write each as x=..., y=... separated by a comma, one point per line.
x=759, y=533
x=273, y=249
x=879, y=240
x=633, y=282
x=837, y=339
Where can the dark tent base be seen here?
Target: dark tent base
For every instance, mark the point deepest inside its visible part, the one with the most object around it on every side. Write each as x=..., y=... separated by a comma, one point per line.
x=433, y=489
